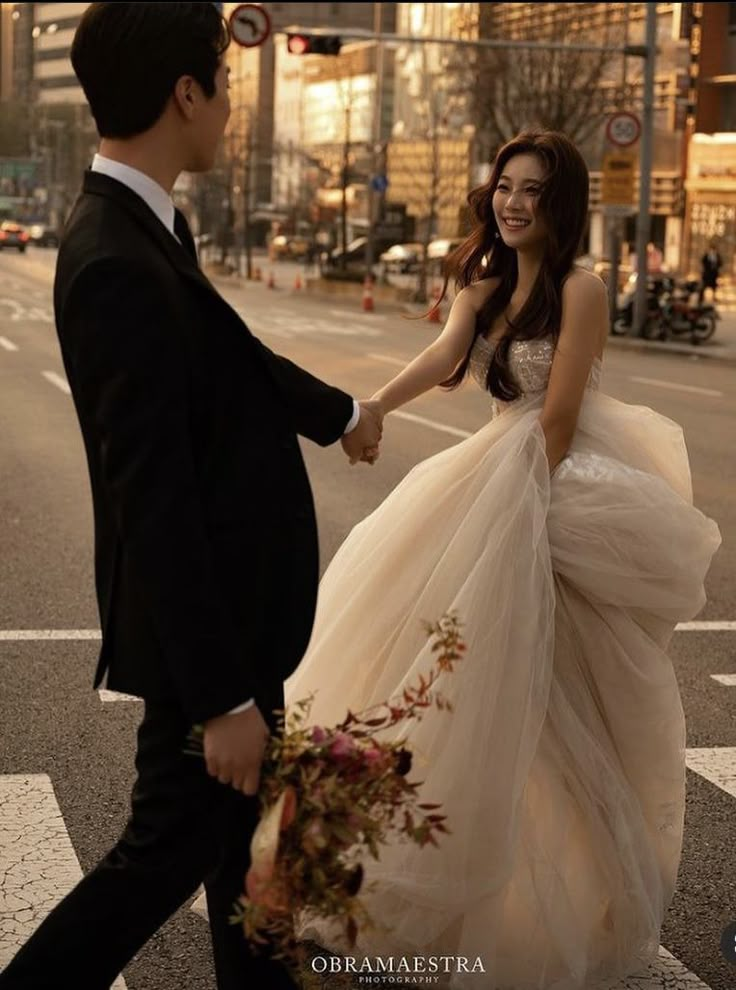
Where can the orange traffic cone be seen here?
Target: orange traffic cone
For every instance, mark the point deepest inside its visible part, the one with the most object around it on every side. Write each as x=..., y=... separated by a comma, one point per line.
x=271, y=284
x=435, y=313
x=368, y=295
x=297, y=282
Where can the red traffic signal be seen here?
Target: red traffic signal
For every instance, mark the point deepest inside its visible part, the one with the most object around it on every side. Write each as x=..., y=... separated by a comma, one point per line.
x=313, y=44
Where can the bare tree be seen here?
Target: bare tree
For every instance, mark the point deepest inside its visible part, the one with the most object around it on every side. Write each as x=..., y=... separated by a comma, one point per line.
x=429, y=170
x=510, y=89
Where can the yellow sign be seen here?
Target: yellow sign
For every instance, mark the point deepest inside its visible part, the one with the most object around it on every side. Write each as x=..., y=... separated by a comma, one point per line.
x=619, y=172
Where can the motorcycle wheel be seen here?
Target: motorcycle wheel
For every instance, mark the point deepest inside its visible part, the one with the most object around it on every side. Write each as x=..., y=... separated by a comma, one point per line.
x=656, y=328
x=704, y=328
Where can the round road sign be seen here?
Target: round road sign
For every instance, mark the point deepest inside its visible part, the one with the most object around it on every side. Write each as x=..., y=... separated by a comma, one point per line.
x=250, y=25
x=623, y=129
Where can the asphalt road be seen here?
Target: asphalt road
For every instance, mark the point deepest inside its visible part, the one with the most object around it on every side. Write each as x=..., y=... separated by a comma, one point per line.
x=52, y=724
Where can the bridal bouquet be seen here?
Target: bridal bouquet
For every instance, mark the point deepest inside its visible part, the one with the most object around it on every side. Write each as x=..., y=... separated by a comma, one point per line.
x=330, y=797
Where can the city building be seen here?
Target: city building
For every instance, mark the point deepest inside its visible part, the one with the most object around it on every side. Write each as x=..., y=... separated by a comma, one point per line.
x=496, y=91
x=273, y=111
x=711, y=153
x=7, y=10
x=54, y=25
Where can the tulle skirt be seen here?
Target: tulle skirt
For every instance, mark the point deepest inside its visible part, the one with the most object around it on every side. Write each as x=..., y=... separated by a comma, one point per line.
x=562, y=766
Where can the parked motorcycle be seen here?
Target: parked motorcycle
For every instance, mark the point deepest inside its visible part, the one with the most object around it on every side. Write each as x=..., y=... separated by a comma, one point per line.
x=673, y=310
x=684, y=314
x=624, y=317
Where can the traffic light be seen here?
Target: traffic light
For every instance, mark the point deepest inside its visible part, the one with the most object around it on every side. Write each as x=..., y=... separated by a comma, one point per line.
x=313, y=44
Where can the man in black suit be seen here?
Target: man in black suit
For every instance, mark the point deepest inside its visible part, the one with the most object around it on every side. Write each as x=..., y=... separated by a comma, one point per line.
x=205, y=535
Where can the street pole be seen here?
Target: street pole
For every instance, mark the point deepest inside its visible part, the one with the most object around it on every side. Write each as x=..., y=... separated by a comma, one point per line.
x=247, y=181
x=616, y=233
x=345, y=171
x=643, y=223
x=374, y=196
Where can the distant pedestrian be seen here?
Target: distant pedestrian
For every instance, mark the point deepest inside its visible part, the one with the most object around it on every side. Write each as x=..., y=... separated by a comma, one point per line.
x=711, y=264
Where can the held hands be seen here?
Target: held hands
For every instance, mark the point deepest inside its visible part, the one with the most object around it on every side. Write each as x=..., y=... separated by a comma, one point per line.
x=233, y=748
x=361, y=444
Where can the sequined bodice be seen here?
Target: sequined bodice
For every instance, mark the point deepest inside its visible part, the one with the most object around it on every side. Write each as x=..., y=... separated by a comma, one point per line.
x=530, y=362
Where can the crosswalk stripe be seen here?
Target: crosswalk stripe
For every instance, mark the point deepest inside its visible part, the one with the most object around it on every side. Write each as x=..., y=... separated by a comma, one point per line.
x=38, y=865
x=35, y=635
x=728, y=680
x=106, y=697
x=716, y=764
x=16, y=635
x=705, y=626
x=665, y=973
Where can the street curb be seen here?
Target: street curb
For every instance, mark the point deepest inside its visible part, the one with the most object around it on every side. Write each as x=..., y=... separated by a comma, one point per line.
x=726, y=355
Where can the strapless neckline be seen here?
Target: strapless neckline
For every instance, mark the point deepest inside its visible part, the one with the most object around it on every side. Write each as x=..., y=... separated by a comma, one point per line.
x=530, y=363
x=492, y=343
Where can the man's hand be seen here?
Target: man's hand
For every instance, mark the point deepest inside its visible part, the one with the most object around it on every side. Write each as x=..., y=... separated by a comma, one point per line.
x=233, y=748
x=362, y=443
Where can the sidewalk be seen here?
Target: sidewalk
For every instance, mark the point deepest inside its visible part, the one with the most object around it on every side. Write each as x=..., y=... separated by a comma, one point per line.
x=721, y=346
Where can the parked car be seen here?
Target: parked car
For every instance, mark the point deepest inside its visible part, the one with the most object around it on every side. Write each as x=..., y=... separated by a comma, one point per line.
x=13, y=235
x=351, y=263
x=437, y=251
x=402, y=258
x=289, y=246
x=42, y=235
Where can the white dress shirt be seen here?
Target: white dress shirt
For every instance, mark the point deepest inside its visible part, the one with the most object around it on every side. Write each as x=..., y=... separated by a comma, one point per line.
x=159, y=202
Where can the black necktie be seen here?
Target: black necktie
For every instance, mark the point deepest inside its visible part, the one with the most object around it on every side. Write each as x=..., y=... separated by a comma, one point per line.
x=182, y=231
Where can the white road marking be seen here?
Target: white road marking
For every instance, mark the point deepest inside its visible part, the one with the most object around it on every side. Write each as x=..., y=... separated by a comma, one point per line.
x=20, y=635
x=106, y=697
x=727, y=680
x=18, y=311
x=8, y=344
x=57, y=380
x=705, y=626
x=200, y=905
x=389, y=360
x=38, y=865
x=432, y=424
x=665, y=973
x=348, y=314
x=36, y=635
x=718, y=765
x=675, y=387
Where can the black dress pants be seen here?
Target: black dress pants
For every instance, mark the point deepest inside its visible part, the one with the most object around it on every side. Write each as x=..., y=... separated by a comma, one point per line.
x=185, y=828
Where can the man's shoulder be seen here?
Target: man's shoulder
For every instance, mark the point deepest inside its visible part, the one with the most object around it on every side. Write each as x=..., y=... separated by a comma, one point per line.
x=100, y=237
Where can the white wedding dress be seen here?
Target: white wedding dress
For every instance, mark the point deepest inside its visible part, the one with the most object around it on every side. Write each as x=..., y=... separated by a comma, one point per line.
x=562, y=767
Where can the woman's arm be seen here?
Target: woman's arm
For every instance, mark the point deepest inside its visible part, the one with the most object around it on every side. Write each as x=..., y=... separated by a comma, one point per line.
x=582, y=337
x=438, y=361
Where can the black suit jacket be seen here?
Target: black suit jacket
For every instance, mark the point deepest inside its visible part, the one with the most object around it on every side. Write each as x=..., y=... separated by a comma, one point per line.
x=206, y=552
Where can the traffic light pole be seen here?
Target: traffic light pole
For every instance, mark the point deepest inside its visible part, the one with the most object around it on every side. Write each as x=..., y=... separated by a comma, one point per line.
x=647, y=52
x=643, y=223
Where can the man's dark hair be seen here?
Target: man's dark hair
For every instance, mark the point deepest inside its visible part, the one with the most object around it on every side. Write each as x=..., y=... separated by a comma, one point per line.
x=128, y=57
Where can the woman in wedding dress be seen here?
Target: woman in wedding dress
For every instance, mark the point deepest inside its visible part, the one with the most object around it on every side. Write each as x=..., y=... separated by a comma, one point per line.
x=564, y=536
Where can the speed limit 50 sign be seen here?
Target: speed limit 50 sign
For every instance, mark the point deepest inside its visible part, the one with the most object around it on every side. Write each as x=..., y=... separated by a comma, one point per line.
x=623, y=129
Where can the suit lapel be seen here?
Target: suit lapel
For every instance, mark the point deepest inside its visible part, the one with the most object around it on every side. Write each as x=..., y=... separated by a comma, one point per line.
x=180, y=256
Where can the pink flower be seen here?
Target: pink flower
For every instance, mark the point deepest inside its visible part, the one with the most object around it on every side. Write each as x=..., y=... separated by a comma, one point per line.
x=342, y=746
x=372, y=755
x=318, y=735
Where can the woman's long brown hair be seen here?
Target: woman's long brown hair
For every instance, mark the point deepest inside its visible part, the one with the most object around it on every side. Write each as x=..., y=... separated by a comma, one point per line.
x=563, y=204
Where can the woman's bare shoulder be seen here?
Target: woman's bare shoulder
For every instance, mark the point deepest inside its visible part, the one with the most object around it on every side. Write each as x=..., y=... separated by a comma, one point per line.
x=478, y=293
